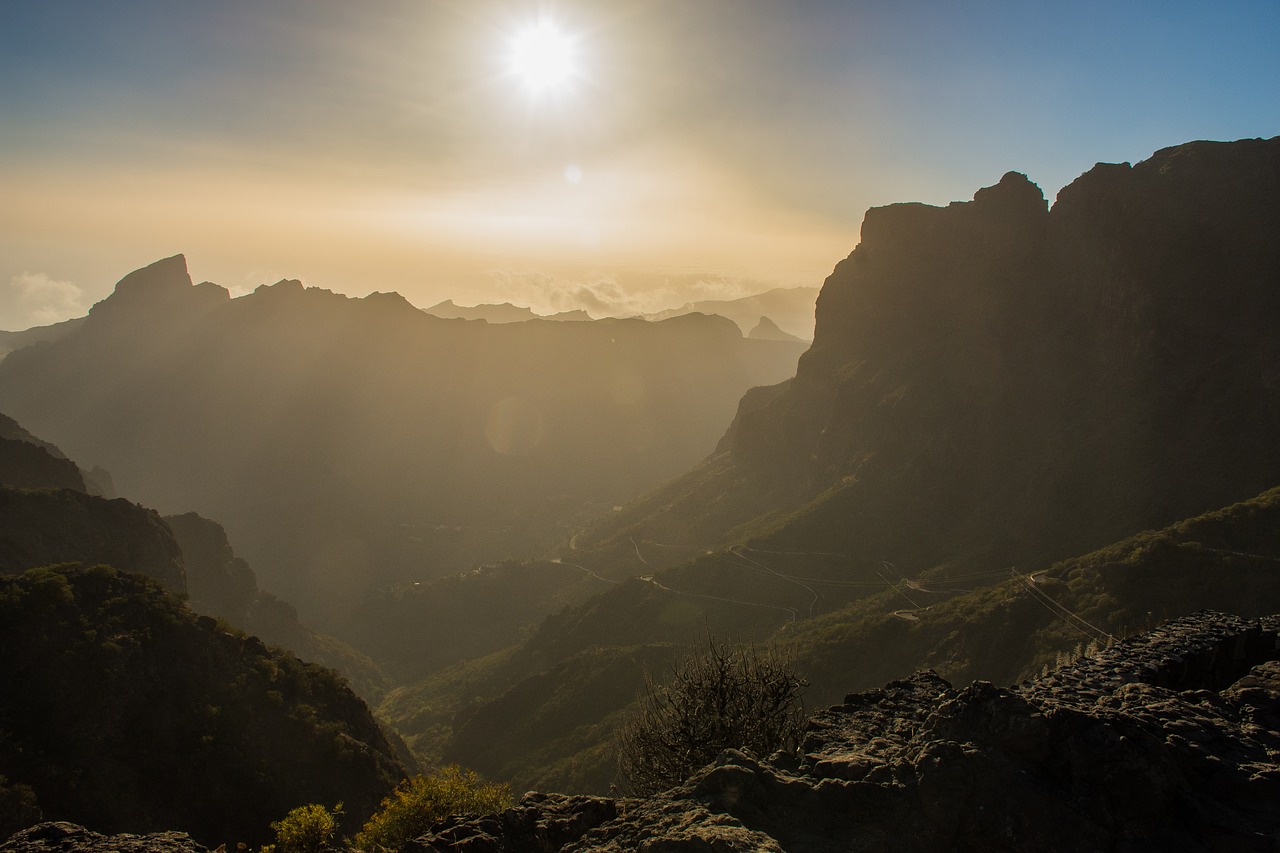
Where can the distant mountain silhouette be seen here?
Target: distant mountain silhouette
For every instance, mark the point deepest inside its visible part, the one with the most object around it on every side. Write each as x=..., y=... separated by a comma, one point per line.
x=790, y=307
x=767, y=330
x=10, y=341
x=347, y=443
x=503, y=312
x=571, y=316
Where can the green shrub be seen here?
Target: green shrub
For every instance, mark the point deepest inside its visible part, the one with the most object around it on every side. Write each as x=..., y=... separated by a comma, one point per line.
x=306, y=829
x=419, y=802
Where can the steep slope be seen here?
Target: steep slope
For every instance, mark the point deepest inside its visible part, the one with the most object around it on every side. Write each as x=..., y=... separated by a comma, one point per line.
x=223, y=585
x=39, y=528
x=125, y=711
x=349, y=443
x=24, y=465
x=187, y=553
x=997, y=382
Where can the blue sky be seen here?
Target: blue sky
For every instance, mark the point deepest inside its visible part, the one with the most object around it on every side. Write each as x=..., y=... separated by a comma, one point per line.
x=719, y=146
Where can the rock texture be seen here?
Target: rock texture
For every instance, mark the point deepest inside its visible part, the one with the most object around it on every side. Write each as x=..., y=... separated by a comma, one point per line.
x=62, y=837
x=1166, y=742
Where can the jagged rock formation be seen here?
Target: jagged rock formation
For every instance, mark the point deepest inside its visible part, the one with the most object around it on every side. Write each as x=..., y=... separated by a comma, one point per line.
x=1166, y=742
x=125, y=711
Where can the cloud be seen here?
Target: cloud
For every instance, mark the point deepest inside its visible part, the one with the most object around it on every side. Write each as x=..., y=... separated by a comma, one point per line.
x=35, y=299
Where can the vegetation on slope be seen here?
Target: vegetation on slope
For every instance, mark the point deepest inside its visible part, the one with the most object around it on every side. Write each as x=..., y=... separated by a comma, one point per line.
x=124, y=711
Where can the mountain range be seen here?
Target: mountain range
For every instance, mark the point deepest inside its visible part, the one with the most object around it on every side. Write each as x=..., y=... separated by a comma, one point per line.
x=348, y=444
x=994, y=388
x=1021, y=434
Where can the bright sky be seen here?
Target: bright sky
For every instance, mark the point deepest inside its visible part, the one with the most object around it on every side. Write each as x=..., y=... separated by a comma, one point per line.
x=670, y=150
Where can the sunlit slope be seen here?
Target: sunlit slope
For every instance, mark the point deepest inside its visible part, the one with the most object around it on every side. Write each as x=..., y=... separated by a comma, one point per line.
x=346, y=443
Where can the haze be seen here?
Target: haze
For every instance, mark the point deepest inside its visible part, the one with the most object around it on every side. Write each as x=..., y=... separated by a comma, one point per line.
x=695, y=151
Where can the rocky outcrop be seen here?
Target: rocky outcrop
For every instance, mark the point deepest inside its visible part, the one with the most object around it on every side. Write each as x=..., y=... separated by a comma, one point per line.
x=1169, y=741
x=62, y=837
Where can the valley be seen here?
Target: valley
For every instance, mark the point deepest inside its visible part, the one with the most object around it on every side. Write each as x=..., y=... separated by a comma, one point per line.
x=1023, y=435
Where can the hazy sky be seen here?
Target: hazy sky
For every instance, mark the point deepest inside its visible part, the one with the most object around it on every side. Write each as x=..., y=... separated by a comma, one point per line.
x=699, y=149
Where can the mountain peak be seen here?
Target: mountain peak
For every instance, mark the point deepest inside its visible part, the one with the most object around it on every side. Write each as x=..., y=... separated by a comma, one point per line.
x=1015, y=193
x=767, y=330
x=159, y=283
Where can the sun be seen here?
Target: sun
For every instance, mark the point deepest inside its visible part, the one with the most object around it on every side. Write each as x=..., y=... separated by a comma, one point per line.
x=543, y=58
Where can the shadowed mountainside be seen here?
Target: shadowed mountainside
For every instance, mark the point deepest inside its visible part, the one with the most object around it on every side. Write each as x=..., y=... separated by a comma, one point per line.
x=48, y=518
x=994, y=382
x=124, y=710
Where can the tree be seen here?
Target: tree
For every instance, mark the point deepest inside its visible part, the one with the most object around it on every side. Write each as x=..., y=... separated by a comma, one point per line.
x=718, y=698
x=417, y=803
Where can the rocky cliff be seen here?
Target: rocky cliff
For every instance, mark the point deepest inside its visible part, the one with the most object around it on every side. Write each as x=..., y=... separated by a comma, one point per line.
x=997, y=381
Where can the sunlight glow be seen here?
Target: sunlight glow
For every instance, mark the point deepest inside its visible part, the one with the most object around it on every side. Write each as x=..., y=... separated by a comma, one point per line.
x=543, y=58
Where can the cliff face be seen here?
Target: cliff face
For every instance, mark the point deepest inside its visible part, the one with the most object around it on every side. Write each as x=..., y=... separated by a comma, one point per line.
x=996, y=380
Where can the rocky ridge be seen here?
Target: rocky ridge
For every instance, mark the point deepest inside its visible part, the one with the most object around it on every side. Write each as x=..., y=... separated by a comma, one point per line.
x=1167, y=741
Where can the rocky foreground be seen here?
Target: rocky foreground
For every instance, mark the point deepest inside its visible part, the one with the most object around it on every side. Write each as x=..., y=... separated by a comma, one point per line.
x=1169, y=741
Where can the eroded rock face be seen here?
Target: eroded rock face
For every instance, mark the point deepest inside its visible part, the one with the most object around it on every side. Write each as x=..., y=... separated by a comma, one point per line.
x=1169, y=741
